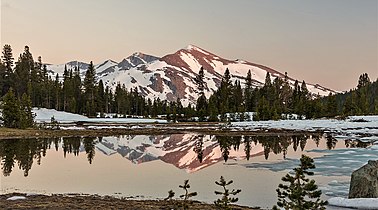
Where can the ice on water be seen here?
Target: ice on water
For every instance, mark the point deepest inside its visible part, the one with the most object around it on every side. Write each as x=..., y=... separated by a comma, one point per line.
x=333, y=163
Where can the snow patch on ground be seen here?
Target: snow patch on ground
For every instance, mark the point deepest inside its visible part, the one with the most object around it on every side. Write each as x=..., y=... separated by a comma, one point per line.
x=14, y=198
x=356, y=203
x=342, y=127
x=44, y=115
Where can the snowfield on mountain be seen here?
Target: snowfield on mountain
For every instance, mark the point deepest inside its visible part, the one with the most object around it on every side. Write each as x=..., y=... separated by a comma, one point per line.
x=173, y=76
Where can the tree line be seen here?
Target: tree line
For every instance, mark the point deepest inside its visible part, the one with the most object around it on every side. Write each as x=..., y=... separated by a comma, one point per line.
x=26, y=83
x=278, y=99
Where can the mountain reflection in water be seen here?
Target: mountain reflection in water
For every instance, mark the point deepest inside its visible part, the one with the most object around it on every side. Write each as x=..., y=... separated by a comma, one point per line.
x=191, y=152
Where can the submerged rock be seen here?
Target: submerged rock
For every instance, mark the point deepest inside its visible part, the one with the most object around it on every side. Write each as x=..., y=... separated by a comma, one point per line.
x=364, y=181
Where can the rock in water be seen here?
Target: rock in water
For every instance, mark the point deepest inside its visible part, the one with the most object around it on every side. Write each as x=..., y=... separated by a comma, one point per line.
x=364, y=181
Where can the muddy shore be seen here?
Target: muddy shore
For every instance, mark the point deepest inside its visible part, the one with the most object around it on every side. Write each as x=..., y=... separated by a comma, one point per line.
x=142, y=129
x=76, y=201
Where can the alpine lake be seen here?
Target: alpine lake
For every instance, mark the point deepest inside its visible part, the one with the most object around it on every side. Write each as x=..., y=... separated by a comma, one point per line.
x=148, y=166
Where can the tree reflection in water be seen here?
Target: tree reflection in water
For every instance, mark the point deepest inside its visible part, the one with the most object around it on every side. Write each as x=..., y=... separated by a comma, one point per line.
x=25, y=151
x=278, y=144
x=198, y=147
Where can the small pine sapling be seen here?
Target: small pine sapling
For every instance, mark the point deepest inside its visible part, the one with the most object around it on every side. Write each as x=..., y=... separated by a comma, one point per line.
x=171, y=194
x=187, y=195
x=170, y=199
x=54, y=124
x=301, y=193
x=225, y=200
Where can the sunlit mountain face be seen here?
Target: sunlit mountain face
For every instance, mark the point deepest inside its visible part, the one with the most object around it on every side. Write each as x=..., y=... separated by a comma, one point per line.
x=173, y=76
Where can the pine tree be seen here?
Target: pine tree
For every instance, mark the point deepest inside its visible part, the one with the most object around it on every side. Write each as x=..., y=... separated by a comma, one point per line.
x=248, y=92
x=187, y=195
x=77, y=90
x=213, y=109
x=11, y=110
x=100, y=100
x=24, y=66
x=35, y=89
x=26, y=115
x=225, y=201
x=350, y=105
x=304, y=97
x=268, y=81
x=66, y=88
x=17, y=114
x=236, y=102
x=89, y=87
x=331, y=106
x=201, y=106
x=301, y=193
x=285, y=94
x=6, y=75
x=295, y=102
x=56, y=93
x=225, y=93
x=263, y=111
x=363, y=80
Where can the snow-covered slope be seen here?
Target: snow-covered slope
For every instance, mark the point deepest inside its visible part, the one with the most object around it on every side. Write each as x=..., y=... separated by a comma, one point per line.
x=173, y=76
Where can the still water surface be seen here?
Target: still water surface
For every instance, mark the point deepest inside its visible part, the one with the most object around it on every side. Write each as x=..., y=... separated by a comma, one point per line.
x=147, y=167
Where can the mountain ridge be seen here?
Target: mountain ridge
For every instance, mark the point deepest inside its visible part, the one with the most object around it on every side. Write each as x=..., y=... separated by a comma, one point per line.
x=172, y=76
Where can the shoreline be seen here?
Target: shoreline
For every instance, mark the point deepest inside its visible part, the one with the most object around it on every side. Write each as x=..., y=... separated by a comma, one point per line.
x=85, y=201
x=146, y=129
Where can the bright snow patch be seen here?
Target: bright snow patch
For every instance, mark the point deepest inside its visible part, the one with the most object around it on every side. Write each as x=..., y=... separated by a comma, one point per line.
x=342, y=127
x=356, y=203
x=44, y=115
x=14, y=198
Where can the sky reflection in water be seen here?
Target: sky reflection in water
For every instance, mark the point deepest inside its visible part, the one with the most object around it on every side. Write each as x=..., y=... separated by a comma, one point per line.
x=151, y=165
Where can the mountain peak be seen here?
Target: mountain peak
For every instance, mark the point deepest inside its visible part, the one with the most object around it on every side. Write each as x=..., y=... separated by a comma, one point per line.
x=110, y=61
x=138, y=54
x=173, y=76
x=192, y=47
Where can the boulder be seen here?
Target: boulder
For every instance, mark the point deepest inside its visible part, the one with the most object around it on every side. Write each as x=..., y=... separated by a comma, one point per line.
x=364, y=181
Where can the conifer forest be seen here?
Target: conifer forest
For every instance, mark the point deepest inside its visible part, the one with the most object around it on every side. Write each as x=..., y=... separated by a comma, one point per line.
x=24, y=83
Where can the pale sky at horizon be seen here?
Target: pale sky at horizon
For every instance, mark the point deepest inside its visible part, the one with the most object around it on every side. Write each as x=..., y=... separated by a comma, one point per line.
x=329, y=42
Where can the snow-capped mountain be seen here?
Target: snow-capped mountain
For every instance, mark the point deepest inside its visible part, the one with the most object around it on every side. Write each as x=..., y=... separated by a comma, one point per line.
x=173, y=76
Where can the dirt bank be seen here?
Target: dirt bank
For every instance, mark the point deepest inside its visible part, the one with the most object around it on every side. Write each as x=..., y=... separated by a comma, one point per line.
x=207, y=129
x=58, y=202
